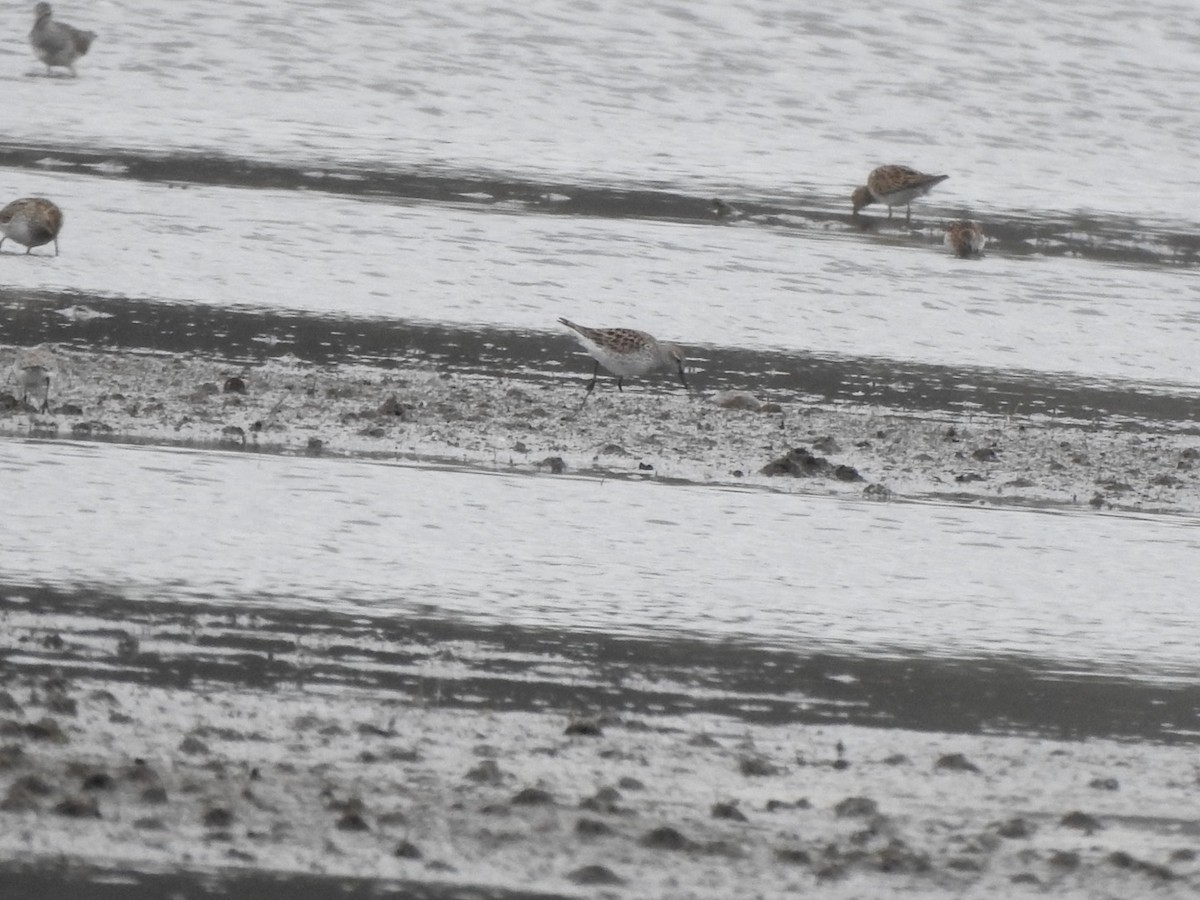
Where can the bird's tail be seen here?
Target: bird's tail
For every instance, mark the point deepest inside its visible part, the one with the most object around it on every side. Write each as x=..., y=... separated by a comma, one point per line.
x=82, y=40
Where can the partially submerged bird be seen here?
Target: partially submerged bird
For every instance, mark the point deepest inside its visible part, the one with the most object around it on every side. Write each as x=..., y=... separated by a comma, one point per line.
x=965, y=238
x=625, y=352
x=32, y=369
x=895, y=186
x=31, y=221
x=57, y=43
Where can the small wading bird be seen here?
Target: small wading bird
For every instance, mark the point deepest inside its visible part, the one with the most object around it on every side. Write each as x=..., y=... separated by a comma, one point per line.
x=625, y=353
x=965, y=238
x=57, y=43
x=31, y=221
x=895, y=186
x=32, y=369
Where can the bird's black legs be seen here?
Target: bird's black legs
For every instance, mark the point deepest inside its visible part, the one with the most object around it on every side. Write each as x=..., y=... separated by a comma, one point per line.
x=591, y=385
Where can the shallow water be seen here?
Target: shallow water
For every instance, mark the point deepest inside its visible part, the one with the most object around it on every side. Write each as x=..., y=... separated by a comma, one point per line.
x=788, y=572
x=1027, y=108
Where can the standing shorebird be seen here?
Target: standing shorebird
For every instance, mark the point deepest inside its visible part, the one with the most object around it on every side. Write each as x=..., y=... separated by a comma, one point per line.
x=32, y=369
x=965, y=238
x=625, y=352
x=895, y=186
x=31, y=221
x=57, y=43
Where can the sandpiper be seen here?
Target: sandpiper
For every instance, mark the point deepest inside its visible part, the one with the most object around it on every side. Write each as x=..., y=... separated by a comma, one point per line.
x=32, y=369
x=965, y=238
x=57, y=43
x=895, y=186
x=31, y=221
x=625, y=352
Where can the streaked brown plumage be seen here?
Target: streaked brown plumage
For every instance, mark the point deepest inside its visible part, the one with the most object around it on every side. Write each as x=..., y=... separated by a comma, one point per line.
x=31, y=221
x=895, y=186
x=965, y=238
x=625, y=352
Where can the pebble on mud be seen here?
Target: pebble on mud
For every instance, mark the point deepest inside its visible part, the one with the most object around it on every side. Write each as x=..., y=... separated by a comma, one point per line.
x=1082, y=821
x=603, y=801
x=154, y=795
x=856, y=807
x=728, y=811
x=595, y=874
x=45, y=730
x=532, y=796
x=955, y=762
x=665, y=838
x=793, y=856
x=757, y=767
x=407, y=850
x=78, y=807
x=487, y=772
x=1015, y=828
x=592, y=828
x=352, y=821
x=217, y=817
x=193, y=746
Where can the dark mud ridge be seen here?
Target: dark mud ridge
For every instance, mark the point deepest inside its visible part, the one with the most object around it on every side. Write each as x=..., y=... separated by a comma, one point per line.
x=1109, y=238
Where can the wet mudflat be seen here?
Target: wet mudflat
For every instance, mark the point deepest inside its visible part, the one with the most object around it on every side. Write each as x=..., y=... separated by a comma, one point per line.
x=513, y=421
x=312, y=749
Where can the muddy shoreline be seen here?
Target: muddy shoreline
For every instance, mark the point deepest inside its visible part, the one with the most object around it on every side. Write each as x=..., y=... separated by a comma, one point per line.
x=413, y=411
x=250, y=336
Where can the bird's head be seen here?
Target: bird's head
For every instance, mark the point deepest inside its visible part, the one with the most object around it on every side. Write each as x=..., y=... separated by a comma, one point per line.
x=675, y=355
x=860, y=198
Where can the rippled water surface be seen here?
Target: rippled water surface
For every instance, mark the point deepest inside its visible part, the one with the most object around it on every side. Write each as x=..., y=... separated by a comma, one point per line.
x=1027, y=106
x=780, y=571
